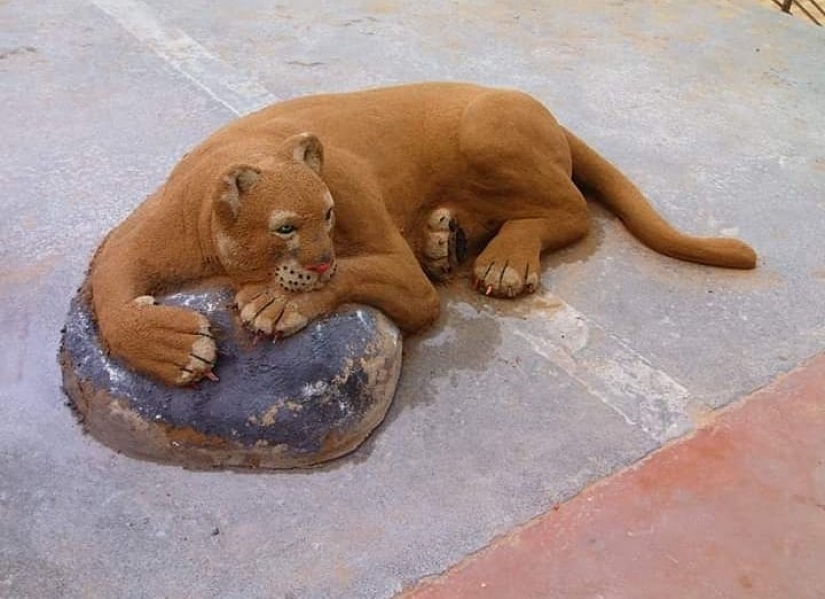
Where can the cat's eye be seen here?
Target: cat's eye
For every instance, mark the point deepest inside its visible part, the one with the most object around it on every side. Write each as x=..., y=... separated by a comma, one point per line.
x=285, y=230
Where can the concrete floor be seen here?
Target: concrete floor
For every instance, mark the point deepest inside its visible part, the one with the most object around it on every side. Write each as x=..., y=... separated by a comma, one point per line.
x=735, y=510
x=713, y=108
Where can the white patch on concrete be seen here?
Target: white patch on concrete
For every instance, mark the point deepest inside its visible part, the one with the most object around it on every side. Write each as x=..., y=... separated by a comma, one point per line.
x=443, y=336
x=609, y=369
x=468, y=311
x=239, y=92
x=448, y=335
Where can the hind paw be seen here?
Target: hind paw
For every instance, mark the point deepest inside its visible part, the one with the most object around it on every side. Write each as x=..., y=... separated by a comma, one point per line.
x=444, y=244
x=505, y=277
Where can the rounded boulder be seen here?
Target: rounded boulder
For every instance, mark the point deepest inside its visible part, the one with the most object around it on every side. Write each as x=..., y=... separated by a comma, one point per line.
x=292, y=403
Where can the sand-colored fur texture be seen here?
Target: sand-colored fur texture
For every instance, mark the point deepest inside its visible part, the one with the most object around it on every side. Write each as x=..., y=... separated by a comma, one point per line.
x=362, y=197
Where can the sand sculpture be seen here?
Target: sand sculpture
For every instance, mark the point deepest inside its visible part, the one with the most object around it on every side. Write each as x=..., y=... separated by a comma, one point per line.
x=361, y=198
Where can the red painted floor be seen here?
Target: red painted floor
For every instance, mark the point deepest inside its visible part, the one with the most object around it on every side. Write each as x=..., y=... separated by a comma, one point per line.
x=736, y=510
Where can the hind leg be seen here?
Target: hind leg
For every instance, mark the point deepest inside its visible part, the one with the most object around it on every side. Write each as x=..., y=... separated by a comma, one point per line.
x=520, y=157
x=509, y=265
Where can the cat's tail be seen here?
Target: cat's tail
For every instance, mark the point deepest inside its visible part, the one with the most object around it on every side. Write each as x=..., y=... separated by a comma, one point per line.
x=601, y=180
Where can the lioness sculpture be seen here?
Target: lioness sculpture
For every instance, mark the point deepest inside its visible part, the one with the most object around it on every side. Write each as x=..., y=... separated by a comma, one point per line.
x=409, y=181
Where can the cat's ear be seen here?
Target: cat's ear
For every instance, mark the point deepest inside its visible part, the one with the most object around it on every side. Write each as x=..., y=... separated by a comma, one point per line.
x=307, y=149
x=236, y=182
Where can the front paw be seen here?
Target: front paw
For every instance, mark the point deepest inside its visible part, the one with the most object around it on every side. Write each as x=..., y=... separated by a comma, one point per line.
x=171, y=344
x=202, y=357
x=269, y=311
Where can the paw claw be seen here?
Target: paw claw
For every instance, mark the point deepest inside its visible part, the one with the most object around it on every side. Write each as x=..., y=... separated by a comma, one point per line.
x=203, y=355
x=508, y=277
x=271, y=313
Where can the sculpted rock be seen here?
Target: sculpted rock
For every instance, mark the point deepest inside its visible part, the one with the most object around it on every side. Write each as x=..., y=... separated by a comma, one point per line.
x=303, y=400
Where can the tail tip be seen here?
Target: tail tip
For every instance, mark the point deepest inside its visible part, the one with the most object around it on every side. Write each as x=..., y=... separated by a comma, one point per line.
x=740, y=255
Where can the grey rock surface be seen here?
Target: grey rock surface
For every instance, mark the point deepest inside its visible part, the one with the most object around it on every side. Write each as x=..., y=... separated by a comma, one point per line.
x=300, y=401
x=503, y=409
